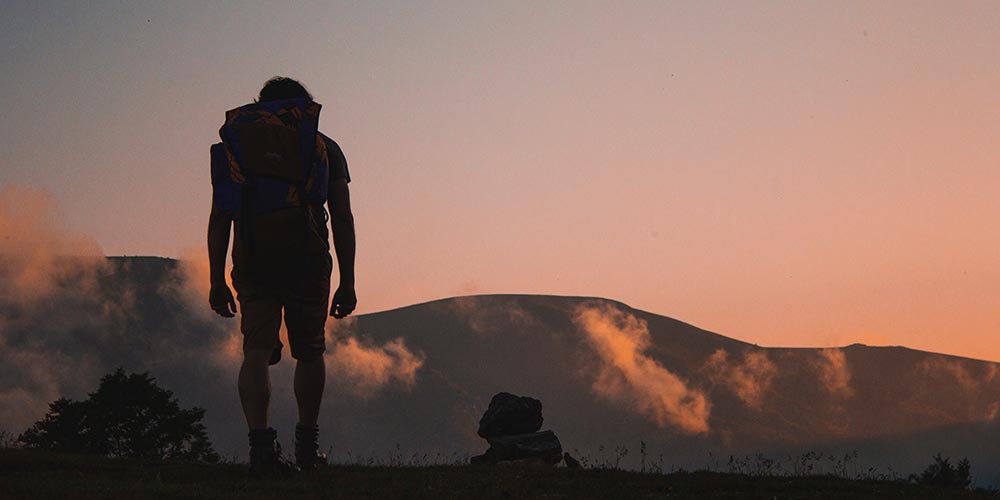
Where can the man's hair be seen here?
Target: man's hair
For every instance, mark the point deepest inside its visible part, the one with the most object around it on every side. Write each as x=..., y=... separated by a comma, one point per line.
x=281, y=87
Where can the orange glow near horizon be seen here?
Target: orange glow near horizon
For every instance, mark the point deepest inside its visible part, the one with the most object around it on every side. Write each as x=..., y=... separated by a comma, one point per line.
x=784, y=174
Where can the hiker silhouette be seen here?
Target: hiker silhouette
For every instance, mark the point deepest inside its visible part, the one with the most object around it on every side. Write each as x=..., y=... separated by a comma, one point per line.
x=273, y=177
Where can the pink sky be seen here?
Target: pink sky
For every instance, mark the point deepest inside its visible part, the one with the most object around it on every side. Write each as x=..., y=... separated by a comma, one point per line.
x=783, y=173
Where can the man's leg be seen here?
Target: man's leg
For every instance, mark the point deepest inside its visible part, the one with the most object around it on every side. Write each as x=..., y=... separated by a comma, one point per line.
x=305, y=317
x=260, y=322
x=255, y=387
x=310, y=379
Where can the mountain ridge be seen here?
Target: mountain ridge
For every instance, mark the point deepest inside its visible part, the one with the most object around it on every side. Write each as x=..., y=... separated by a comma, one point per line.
x=417, y=378
x=173, y=262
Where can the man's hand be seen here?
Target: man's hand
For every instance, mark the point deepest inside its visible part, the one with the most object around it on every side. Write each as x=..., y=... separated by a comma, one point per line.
x=222, y=301
x=344, y=301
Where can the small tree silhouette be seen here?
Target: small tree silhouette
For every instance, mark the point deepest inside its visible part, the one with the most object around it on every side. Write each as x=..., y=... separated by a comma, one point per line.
x=943, y=474
x=128, y=416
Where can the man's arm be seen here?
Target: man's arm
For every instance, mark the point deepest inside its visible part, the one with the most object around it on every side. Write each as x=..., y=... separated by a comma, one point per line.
x=342, y=228
x=220, y=297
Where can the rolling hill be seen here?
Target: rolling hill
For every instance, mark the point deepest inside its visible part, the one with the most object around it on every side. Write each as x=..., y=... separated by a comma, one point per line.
x=413, y=381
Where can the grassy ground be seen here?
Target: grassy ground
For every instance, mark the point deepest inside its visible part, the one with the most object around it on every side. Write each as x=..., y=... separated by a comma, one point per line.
x=31, y=474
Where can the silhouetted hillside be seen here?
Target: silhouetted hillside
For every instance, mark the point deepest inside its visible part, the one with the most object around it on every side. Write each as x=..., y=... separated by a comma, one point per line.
x=415, y=380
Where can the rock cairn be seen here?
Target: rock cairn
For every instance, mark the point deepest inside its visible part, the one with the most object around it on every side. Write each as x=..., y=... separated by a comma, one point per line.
x=511, y=426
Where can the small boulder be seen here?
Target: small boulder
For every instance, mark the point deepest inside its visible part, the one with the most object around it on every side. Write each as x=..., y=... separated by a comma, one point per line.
x=571, y=462
x=544, y=446
x=510, y=415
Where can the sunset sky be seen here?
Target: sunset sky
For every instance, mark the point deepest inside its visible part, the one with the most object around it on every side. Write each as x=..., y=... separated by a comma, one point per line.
x=784, y=173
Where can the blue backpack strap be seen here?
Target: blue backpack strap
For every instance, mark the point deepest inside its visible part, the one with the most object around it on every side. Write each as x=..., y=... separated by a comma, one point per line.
x=225, y=192
x=318, y=181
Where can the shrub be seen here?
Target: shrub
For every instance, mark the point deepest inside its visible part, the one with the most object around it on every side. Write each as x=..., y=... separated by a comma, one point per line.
x=943, y=474
x=8, y=440
x=128, y=416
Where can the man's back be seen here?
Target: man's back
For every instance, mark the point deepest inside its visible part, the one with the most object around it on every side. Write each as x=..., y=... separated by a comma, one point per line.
x=281, y=260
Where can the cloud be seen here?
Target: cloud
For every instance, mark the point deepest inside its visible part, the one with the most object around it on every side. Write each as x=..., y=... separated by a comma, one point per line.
x=968, y=375
x=189, y=282
x=992, y=410
x=748, y=379
x=975, y=378
x=193, y=279
x=38, y=253
x=834, y=372
x=50, y=279
x=33, y=378
x=627, y=374
x=362, y=367
x=485, y=314
x=367, y=368
x=69, y=315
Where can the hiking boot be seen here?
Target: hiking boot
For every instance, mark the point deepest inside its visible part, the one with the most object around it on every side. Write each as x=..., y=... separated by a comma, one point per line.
x=265, y=455
x=307, y=454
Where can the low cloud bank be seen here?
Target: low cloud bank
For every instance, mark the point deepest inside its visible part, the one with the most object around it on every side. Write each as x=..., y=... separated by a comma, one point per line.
x=627, y=374
x=834, y=372
x=367, y=368
x=748, y=379
x=49, y=291
x=38, y=253
x=970, y=375
x=487, y=317
x=69, y=315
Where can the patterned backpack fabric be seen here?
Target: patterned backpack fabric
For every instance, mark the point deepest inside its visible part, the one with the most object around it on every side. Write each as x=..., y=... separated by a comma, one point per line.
x=272, y=159
x=275, y=156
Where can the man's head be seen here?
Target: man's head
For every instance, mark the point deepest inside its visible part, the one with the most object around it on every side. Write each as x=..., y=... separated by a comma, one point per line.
x=280, y=87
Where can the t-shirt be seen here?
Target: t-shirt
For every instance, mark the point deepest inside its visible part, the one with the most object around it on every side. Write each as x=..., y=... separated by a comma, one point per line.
x=275, y=233
x=338, y=164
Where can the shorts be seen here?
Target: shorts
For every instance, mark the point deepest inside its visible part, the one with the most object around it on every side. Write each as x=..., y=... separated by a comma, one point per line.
x=304, y=300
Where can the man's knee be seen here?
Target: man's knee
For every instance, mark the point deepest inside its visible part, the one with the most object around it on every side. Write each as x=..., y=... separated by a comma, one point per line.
x=308, y=354
x=306, y=341
x=256, y=356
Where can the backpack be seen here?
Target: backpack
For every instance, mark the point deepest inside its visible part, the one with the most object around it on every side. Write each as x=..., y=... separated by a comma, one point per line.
x=275, y=160
x=275, y=155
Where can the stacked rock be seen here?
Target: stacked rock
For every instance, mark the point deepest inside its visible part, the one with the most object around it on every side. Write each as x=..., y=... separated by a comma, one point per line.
x=511, y=426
